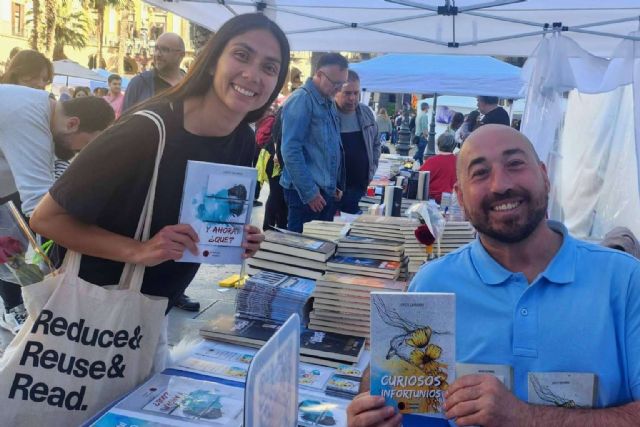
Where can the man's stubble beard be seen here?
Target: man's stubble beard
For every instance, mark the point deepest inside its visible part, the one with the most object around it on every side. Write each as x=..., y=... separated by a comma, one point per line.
x=511, y=231
x=61, y=150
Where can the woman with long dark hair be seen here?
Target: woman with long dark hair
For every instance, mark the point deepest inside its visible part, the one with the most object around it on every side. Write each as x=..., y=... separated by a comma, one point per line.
x=94, y=208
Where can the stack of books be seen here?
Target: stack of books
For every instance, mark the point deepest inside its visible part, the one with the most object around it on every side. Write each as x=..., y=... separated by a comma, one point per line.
x=456, y=234
x=364, y=267
x=397, y=230
x=366, y=247
x=325, y=230
x=273, y=297
x=341, y=302
x=292, y=253
x=319, y=347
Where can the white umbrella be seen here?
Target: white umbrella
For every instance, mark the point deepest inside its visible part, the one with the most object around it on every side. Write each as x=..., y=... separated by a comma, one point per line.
x=68, y=68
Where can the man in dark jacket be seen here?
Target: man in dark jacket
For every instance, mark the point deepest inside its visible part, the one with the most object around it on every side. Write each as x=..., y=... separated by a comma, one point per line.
x=166, y=72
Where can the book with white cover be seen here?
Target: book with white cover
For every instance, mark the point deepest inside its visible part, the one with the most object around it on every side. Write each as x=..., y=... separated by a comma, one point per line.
x=562, y=389
x=217, y=201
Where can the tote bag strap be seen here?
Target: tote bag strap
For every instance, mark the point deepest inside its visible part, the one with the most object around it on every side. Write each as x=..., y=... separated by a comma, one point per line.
x=132, y=274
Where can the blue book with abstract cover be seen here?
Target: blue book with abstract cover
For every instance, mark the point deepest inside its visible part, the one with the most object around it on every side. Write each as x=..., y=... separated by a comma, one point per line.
x=413, y=352
x=217, y=201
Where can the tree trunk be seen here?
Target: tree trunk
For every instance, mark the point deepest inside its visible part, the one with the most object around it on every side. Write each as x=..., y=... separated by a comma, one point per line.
x=100, y=11
x=49, y=26
x=124, y=34
x=34, y=40
x=58, y=52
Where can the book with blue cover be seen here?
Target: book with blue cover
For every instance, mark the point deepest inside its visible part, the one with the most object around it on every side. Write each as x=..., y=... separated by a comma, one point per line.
x=274, y=297
x=216, y=201
x=413, y=350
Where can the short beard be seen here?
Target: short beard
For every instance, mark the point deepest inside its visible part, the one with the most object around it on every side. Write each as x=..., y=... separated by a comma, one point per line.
x=512, y=232
x=61, y=150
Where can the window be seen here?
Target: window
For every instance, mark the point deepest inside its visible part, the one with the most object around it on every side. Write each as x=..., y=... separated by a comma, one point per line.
x=17, y=19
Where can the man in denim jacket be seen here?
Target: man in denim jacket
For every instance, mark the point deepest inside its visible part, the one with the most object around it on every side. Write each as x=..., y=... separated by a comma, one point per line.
x=313, y=176
x=359, y=133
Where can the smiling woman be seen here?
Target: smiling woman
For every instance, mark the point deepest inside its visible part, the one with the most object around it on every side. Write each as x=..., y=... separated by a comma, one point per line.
x=94, y=208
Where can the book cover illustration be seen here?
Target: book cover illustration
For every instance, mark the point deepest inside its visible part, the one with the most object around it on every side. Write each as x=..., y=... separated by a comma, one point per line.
x=562, y=389
x=316, y=411
x=295, y=240
x=271, y=392
x=112, y=419
x=413, y=350
x=364, y=262
x=216, y=202
x=183, y=398
x=342, y=387
x=313, y=377
x=166, y=400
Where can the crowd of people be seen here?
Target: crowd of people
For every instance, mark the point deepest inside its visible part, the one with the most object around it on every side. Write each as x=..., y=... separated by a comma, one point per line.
x=528, y=294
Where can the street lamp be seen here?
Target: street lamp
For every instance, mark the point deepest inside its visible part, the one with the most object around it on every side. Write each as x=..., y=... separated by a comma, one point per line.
x=404, y=134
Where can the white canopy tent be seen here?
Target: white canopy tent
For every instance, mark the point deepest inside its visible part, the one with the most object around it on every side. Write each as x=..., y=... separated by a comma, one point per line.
x=414, y=26
x=574, y=31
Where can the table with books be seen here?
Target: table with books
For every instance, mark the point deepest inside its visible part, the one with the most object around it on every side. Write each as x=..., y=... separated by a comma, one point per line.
x=328, y=284
x=205, y=385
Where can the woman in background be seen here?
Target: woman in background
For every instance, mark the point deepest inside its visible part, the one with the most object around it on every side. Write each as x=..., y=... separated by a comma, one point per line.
x=94, y=208
x=470, y=124
x=385, y=127
x=442, y=167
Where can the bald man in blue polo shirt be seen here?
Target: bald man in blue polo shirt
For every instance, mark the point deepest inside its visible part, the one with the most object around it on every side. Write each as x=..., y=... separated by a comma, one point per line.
x=528, y=296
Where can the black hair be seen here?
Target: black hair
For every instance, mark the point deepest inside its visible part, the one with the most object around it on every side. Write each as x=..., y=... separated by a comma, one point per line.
x=236, y=207
x=456, y=121
x=199, y=78
x=84, y=89
x=95, y=113
x=490, y=100
x=113, y=77
x=332, y=59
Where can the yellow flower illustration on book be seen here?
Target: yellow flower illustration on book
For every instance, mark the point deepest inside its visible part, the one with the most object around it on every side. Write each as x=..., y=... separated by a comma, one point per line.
x=415, y=348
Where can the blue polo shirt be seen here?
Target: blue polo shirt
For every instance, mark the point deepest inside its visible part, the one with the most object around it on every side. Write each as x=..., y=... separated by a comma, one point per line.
x=582, y=314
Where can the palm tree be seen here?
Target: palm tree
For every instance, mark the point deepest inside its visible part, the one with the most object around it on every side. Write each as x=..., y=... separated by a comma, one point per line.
x=72, y=29
x=124, y=10
x=34, y=39
x=100, y=7
x=50, y=16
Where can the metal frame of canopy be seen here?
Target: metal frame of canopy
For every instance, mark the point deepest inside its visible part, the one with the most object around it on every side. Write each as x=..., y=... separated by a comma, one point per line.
x=448, y=9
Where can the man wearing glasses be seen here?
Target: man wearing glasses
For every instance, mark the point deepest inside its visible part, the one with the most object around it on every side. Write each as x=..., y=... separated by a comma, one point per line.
x=166, y=72
x=314, y=175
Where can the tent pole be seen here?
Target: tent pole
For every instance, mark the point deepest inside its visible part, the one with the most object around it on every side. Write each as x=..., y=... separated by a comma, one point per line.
x=431, y=143
x=599, y=33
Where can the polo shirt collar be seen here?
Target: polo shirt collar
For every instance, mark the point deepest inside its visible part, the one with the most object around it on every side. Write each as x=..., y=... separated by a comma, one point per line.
x=560, y=270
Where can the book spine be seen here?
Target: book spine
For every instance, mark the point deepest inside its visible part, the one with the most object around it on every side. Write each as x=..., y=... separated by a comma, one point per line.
x=388, y=200
x=396, y=209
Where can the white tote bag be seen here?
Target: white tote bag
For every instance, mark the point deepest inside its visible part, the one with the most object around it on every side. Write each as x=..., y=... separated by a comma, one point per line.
x=82, y=345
